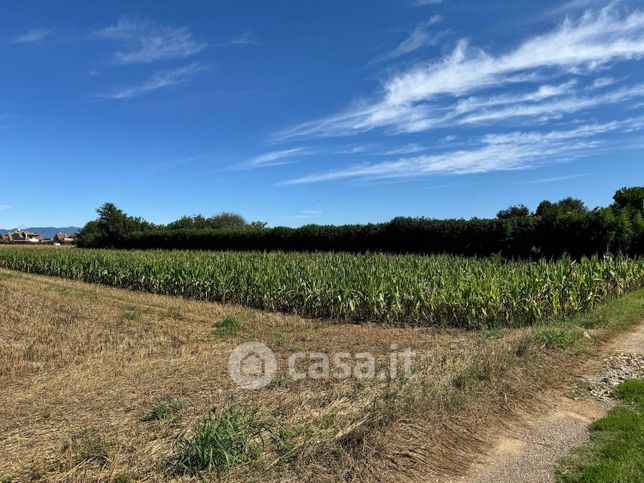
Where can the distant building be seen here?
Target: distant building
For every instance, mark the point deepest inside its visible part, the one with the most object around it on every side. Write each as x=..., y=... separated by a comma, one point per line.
x=22, y=236
x=63, y=238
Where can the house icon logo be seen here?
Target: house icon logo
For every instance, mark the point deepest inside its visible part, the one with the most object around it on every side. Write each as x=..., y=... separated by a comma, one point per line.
x=252, y=365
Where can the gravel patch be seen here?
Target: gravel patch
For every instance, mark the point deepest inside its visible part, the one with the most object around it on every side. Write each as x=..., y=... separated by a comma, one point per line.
x=616, y=369
x=533, y=456
x=531, y=452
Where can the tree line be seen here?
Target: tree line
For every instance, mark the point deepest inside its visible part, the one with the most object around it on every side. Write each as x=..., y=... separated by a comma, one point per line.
x=554, y=229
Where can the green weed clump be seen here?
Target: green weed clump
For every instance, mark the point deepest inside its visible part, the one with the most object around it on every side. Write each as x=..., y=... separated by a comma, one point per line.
x=163, y=409
x=223, y=440
x=558, y=338
x=89, y=446
x=227, y=327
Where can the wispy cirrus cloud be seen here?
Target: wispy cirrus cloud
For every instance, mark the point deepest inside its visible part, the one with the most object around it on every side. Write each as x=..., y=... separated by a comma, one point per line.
x=159, y=80
x=33, y=35
x=5, y=207
x=375, y=149
x=570, y=6
x=492, y=152
x=410, y=148
x=603, y=82
x=275, y=158
x=418, y=98
x=554, y=108
x=356, y=149
x=554, y=179
x=147, y=42
x=245, y=38
x=421, y=36
x=467, y=105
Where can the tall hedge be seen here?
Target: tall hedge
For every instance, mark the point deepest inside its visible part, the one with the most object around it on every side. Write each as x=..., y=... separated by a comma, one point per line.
x=586, y=234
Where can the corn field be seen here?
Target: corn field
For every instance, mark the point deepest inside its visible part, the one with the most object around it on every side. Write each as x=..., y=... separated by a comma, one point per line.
x=416, y=290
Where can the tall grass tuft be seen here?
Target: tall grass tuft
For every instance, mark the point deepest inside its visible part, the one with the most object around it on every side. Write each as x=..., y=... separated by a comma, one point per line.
x=223, y=440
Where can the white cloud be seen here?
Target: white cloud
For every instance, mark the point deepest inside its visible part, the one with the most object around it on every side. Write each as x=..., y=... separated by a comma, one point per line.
x=245, y=38
x=415, y=99
x=275, y=158
x=378, y=150
x=147, y=42
x=553, y=109
x=356, y=149
x=410, y=148
x=161, y=79
x=569, y=6
x=497, y=152
x=5, y=207
x=420, y=37
x=603, y=82
x=242, y=40
x=470, y=104
x=554, y=179
x=33, y=35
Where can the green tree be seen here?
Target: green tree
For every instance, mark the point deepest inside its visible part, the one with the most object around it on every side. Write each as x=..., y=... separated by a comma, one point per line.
x=226, y=220
x=89, y=236
x=111, y=227
x=195, y=221
x=221, y=220
x=630, y=198
x=514, y=211
x=566, y=207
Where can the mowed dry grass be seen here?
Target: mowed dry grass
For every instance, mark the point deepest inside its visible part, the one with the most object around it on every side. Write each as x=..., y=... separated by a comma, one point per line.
x=75, y=356
x=79, y=359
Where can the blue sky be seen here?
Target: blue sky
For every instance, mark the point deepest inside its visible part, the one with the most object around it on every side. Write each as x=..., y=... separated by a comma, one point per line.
x=297, y=112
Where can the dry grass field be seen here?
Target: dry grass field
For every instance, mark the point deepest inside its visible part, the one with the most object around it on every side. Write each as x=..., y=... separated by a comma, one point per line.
x=104, y=384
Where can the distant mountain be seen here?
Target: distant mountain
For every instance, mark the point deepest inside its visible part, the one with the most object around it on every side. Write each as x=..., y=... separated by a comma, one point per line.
x=47, y=231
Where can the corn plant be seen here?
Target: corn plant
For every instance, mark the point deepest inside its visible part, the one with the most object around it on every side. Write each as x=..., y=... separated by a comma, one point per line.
x=400, y=289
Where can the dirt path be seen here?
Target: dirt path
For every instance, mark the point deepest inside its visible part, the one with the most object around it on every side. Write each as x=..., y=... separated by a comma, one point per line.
x=530, y=450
